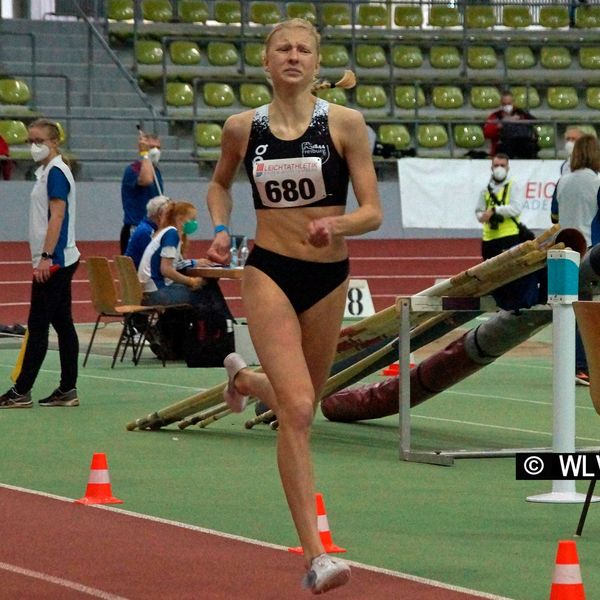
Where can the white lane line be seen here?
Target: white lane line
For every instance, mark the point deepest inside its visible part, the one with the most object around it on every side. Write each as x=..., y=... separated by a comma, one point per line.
x=399, y=574
x=508, y=398
x=66, y=583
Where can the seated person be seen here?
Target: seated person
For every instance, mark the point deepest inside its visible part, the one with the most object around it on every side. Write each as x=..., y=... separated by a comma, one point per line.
x=143, y=233
x=163, y=284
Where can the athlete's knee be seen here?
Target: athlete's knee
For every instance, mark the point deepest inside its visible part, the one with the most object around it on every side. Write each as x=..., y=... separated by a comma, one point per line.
x=297, y=415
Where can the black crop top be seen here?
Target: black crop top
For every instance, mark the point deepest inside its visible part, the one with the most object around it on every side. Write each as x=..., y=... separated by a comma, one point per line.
x=307, y=171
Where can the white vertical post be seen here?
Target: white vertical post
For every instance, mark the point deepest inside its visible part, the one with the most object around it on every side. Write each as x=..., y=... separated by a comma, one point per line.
x=563, y=283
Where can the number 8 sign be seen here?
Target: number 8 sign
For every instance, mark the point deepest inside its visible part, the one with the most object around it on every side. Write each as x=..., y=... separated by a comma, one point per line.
x=359, y=302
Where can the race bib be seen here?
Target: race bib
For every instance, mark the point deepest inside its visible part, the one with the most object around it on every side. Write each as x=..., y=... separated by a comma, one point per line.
x=289, y=182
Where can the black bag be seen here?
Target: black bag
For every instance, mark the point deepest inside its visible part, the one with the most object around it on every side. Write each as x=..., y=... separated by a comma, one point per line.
x=525, y=234
x=209, y=335
x=167, y=335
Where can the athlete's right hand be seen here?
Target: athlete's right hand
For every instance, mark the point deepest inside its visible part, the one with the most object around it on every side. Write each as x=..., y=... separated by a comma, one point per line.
x=219, y=249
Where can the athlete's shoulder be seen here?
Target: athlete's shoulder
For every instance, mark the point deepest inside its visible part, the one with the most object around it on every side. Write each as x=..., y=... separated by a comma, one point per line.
x=344, y=116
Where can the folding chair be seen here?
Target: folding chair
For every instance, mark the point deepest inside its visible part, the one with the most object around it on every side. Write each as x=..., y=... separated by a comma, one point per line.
x=105, y=302
x=588, y=320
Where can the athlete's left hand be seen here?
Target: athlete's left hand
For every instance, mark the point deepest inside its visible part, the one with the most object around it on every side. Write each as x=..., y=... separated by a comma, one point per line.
x=319, y=232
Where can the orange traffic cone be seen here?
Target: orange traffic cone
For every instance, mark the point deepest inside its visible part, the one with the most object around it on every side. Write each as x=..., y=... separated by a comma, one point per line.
x=98, y=489
x=567, y=583
x=324, y=533
x=393, y=370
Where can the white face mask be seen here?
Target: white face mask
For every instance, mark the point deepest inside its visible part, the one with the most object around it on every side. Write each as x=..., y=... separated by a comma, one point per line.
x=39, y=152
x=154, y=155
x=569, y=147
x=499, y=173
x=507, y=108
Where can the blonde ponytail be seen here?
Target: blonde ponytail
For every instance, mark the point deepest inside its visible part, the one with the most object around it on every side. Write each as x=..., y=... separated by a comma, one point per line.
x=348, y=81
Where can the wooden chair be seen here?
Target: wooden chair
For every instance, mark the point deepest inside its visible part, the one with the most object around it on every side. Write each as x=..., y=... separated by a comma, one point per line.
x=105, y=301
x=588, y=320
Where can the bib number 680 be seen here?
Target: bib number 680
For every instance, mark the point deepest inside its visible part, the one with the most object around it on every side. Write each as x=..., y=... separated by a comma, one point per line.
x=290, y=190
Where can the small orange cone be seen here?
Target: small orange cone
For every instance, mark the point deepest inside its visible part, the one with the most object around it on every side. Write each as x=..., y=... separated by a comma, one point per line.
x=393, y=370
x=98, y=489
x=567, y=583
x=324, y=533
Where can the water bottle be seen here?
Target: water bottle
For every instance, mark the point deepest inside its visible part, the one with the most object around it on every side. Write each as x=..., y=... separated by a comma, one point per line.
x=233, y=261
x=243, y=252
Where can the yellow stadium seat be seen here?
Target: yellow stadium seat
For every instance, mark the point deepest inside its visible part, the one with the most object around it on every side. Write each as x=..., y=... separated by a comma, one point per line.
x=525, y=98
x=179, y=94
x=13, y=132
x=481, y=57
x=334, y=55
x=519, y=57
x=208, y=135
x=589, y=57
x=222, y=54
x=148, y=52
x=302, y=10
x=443, y=16
x=264, y=13
x=228, y=12
x=516, y=16
x=371, y=96
x=546, y=137
x=408, y=16
x=334, y=95
x=218, y=95
x=159, y=11
x=592, y=97
x=432, y=136
x=397, y=135
x=587, y=17
x=335, y=15
x=14, y=91
x=254, y=94
x=119, y=10
x=555, y=57
x=372, y=15
x=468, y=136
x=447, y=97
x=485, y=96
x=480, y=17
x=253, y=54
x=409, y=97
x=554, y=17
x=407, y=57
x=444, y=57
x=184, y=53
x=370, y=56
x=192, y=11
x=562, y=97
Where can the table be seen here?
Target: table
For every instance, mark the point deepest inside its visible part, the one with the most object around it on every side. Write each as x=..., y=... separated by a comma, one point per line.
x=215, y=272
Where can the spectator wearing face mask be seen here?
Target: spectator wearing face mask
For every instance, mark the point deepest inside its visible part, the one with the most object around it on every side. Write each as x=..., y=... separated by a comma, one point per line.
x=572, y=134
x=510, y=130
x=141, y=182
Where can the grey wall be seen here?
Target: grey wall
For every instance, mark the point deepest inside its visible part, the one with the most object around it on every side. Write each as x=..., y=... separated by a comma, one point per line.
x=99, y=212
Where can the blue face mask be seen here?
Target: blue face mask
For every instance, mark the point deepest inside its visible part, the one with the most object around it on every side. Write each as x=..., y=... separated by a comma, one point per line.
x=190, y=227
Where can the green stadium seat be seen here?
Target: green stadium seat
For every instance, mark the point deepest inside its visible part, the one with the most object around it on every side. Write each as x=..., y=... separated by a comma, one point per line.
x=254, y=94
x=444, y=57
x=553, y=57
x=589, y=57
x=443, y=16
x=468, y=136
x=372, y=15
x=447, y=97
x=335, y=15
x=525, y=98
x=592, y=97
x=208, y=135
x=192, y=11
x=179, y=94
x=408, y=16
x=253, y=54
x=13, y=132
x=222, y=54
x=302, y=10
x=516, y=16
x=432, y=136
x=264, y=13
x=14, y=91
x=545, y=136
x=553, y=17
x=334, y=95
x=480, y=17
x=159, y=11
x=370, y=56
x=587, y=17
x=148, y=52
x=406, y=96
x=485, y=96
x=228, y=12
x=334, y=55
x=562, y=97
x=184, y=53
x=218, y=95
x=120, y=10
x=519, y=57
x=397, y=135
x=371, y=96
x=481, y=57
x=407, y=57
